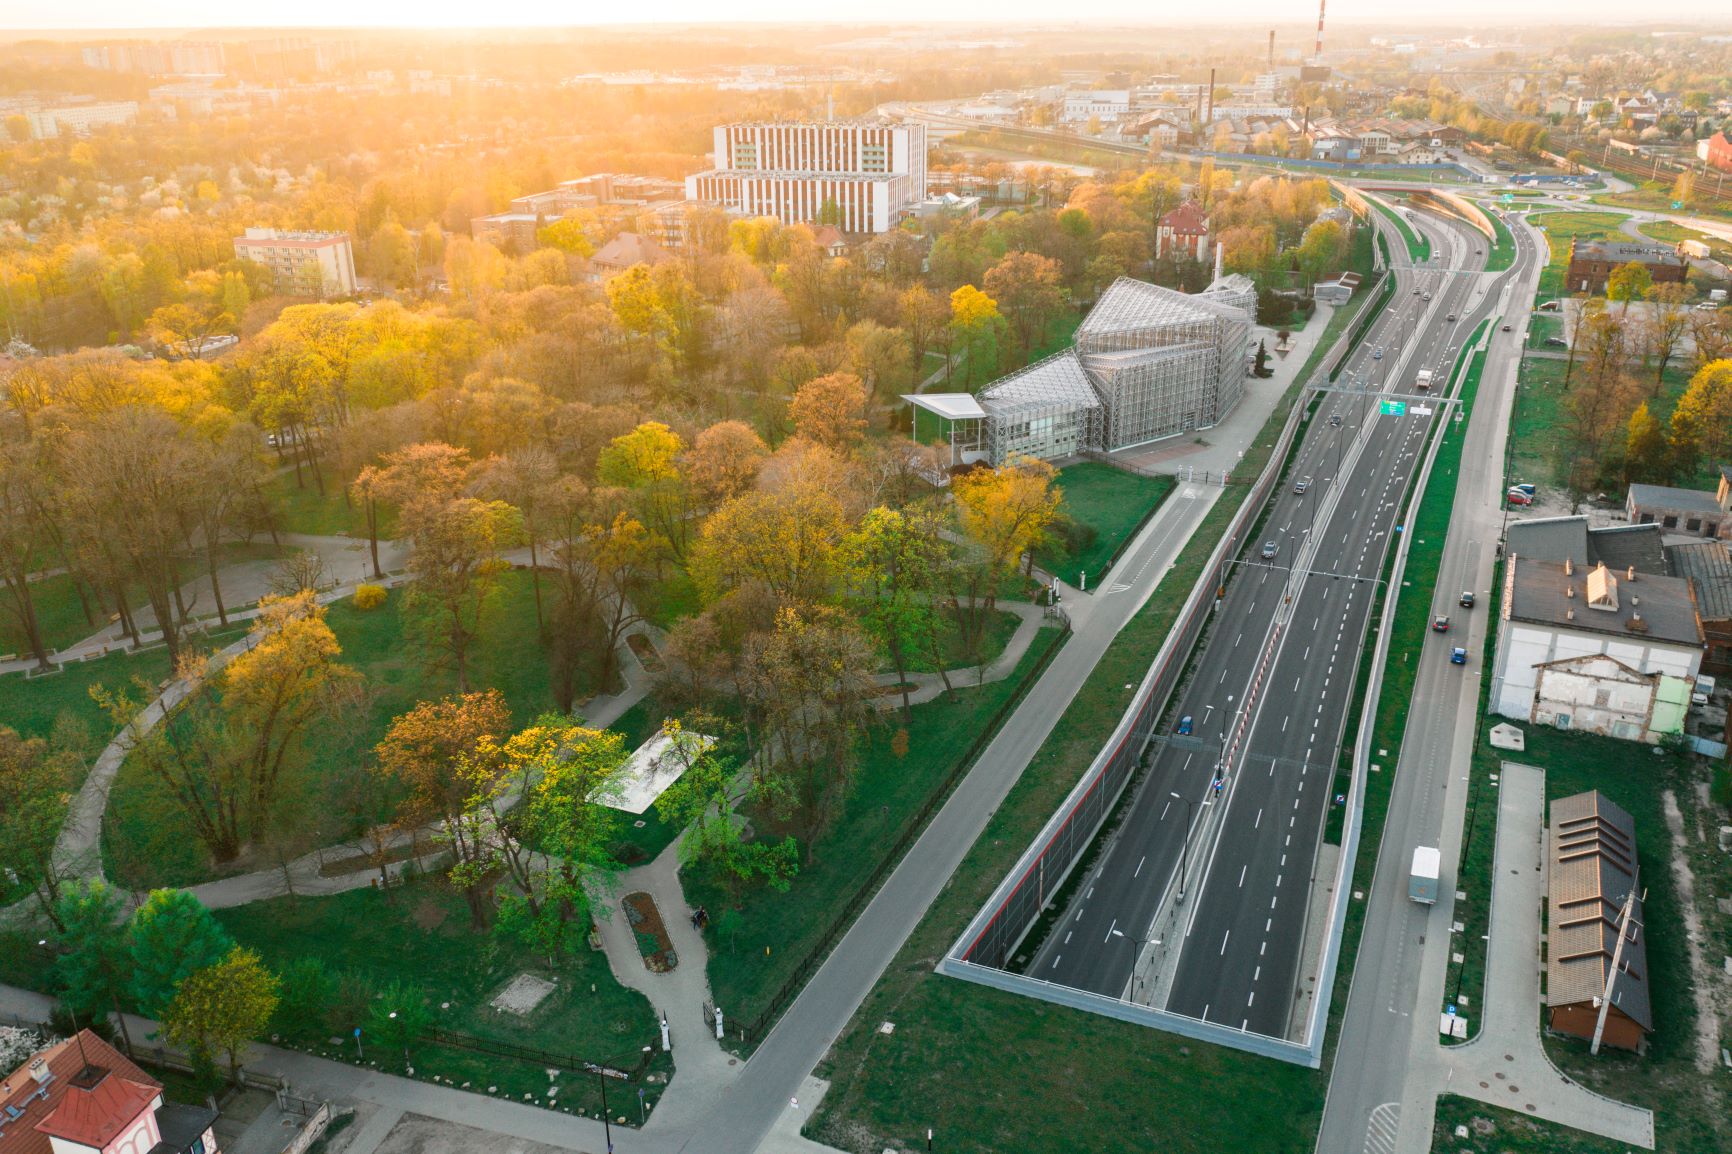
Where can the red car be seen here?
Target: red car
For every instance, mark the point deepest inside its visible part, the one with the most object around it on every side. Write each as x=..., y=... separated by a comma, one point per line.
x=1517, y=497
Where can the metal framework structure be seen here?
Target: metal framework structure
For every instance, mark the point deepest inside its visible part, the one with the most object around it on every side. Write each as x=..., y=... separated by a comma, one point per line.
x=1148, y=362
x=1048, y=409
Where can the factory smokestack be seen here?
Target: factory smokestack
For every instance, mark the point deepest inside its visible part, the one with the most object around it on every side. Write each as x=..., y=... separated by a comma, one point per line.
x=1211, y=119
x=1271, y=50
x=1321, y=5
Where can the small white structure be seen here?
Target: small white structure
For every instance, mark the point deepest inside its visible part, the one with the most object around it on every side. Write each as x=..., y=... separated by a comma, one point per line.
x=656, y=765
x=522, y=994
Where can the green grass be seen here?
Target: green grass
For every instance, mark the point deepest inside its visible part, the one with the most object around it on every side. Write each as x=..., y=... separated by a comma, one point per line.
x=1543, y=325
x=995, y=635
x=1418, y=247
x=1667, y=232
x=59, y=616
x=1688, y=1114
x=301, y=508
x=1502, y=253
x=32, y=705
x=673, y=597
x=777, y=932
x=146, y=838
x=1658, y=198
x=1112, y=502
x=1494, y=1130
x=1563, y=227
x=421, y=934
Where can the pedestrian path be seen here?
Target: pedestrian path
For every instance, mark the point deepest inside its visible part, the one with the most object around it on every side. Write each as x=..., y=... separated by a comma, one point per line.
x=1506, y=1065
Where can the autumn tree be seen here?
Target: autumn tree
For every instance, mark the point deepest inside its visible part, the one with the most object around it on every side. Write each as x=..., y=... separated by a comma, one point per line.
x=892, y=563
x=173, y=937
x=1665, y=325
x=1701, y=424
x=443, y=754
x=646, y=463
x=976, y=323
x=519, y=479
x=1629, y=282
x=830, y=410
x=724, y=461
x=782, y=539
x=35, y=780
x=1644, y=447
x=807, y=692
x=700, y=803
x=226, y=748
x=25, y=525
x=1028, y=292
x=1006, y=510
x=222, y=1007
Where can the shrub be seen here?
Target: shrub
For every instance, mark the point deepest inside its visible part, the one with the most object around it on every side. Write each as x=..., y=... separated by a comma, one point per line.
x=369, y=596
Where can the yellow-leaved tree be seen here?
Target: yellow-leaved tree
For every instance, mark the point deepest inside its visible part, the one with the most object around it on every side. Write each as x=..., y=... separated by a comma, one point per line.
x=222, y=1007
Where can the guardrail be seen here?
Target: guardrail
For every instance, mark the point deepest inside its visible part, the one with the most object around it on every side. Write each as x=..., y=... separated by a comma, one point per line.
x=992, y=936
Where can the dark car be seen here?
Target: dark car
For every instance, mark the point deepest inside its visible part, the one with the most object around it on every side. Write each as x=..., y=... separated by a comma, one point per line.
x=1466, y=601
x=1450, y=317
x=1440, y=624
x=1270, y=548
x=1184, y=729
x=1335, y=421
x=1458, y=656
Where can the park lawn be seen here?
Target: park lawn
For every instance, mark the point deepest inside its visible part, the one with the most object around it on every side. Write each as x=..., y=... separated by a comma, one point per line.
x=1536, y=422
x=1563, y=227
x=1543, y=325
x=995, y=635
x=302, y=509
x=59, y=615
x=1658, y=198
x=1509, y=1132
x=668, y=600
x=1688, y=1114
x=1114, y=503
x=420, y=933
x=31, y=705
x=778, y=932
x=147, y=840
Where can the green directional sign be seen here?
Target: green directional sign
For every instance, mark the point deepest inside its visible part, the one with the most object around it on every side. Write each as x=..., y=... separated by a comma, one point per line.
x=1394, y=408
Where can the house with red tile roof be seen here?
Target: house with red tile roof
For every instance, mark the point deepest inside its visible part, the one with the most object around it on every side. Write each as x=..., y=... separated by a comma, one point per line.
x=1184, y=233
x=82, y=1096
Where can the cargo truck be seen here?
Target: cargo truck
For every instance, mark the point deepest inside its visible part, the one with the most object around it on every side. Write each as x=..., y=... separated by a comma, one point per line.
x=1423, y=384
x=1422, y=880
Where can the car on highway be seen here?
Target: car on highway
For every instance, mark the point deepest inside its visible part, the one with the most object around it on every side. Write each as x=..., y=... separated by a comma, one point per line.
x=1377, y=354
x=1184, y=728
x=1440, y=623
x=1506, y=328
x=1466, y=601
x=1517, y=497
x=1270, y=548
x=1302, y=484
x=1450, y=317
x=1458, y=656
x=1335, y=421
x=1427, y=296
x=1415, y=292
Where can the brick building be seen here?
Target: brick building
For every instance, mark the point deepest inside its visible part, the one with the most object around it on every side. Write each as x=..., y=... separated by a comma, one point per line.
x=1593, y=261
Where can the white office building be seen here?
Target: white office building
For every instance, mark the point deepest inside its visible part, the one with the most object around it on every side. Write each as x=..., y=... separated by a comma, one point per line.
x=862, y=176
x=79, y=119
x=313, y=264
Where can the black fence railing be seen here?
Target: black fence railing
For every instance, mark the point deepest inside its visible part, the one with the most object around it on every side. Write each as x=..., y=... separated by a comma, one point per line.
x=820, y=950
x=453, y=1040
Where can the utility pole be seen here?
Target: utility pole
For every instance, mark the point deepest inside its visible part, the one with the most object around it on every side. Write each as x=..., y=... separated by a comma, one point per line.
x=1617, y=957
x=1184, y=846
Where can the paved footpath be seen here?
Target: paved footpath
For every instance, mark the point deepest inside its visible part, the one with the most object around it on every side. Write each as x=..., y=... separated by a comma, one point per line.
x=1506, y=1064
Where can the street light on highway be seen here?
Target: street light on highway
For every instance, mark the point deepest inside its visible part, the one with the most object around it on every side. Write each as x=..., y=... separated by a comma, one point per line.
x=1185, y=846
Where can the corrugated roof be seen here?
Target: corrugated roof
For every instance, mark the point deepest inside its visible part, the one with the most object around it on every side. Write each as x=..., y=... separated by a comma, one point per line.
x=1708, y=566
x=1593, y=870
x=1624, y=546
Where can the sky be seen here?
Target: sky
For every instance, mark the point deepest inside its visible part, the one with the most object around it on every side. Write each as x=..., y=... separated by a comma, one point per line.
x=97, y=14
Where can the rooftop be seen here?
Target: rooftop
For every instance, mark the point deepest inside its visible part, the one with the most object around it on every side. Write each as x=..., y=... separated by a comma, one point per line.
x=1623, y=251
x=1129, y=305
x=1665, y=496
x=627, y=249
x=1570, y=538
x=80, y=1090
x=1650, y=606
x=1593, y=869
x=950, y=406
x=1057, y=380
x=1708, y=566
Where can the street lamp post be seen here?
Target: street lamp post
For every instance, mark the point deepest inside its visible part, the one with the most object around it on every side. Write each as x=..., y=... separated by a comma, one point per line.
x=1184, y=846
x=606, y=1122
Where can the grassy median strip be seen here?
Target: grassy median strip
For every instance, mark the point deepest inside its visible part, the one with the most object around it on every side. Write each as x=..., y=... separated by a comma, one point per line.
x=1418, y=247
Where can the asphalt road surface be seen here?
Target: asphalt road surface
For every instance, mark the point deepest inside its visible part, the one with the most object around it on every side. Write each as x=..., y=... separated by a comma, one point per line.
x=1390, y=1022
x=1269, y=694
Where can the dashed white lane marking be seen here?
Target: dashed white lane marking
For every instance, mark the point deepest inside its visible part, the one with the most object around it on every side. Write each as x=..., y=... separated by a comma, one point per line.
x=1224, y=938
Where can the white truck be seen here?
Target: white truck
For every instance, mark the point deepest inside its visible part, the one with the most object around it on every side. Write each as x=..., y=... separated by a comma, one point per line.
x=1423, y=384
x=1422, y=879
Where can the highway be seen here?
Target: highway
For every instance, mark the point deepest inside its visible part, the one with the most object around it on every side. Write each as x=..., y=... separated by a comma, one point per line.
x=1269, y=695
x=1385, y=1076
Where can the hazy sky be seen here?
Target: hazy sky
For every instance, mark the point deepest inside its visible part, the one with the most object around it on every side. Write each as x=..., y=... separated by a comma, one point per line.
x=85, y=14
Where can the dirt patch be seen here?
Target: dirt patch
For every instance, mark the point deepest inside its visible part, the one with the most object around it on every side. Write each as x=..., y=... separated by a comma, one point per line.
x=522, y=994
x=430, y=915
x=646, y=652
x=1707, y=1020
x=649, y=932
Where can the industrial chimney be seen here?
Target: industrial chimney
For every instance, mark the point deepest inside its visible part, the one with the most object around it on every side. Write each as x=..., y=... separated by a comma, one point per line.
x=1271, y=50
x=1321, y=5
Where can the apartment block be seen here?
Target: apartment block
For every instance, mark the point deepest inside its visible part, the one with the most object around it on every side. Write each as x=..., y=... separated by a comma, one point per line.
x=861, y=176
x=320, y=264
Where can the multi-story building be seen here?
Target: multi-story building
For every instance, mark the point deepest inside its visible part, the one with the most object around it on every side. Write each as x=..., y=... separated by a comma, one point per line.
x=1716, y=150
x=320, y=264
x=509, y=230
x=862, y=176
x=82, y=1096
x=79, y=119
x=1183, y=233
x=166, y=58
x=1149, y=362
x=1592, y=263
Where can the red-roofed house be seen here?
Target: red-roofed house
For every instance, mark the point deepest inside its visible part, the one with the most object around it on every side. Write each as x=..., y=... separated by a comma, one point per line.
x=82, y=1096
x=623, y=251
x=1183, y=232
